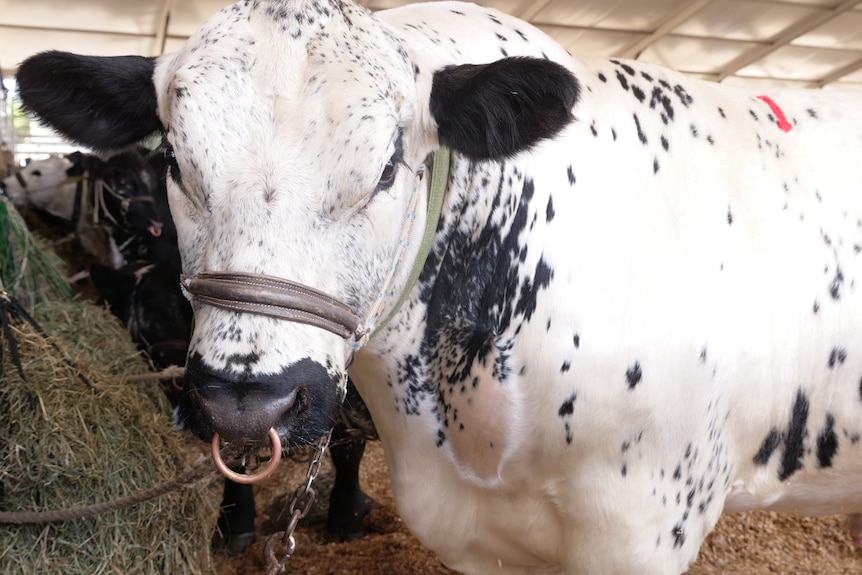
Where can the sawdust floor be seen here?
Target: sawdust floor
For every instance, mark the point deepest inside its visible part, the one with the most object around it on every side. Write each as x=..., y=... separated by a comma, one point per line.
x=742, y=544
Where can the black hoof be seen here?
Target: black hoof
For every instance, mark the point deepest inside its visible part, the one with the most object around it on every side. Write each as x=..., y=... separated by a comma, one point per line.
x=232, y=545
x=345, y=532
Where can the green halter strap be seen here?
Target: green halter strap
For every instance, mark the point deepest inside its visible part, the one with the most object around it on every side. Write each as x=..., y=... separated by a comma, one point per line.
x=439, y=178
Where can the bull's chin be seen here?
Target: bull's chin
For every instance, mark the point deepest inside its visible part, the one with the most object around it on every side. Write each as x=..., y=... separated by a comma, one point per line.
x=300, y=403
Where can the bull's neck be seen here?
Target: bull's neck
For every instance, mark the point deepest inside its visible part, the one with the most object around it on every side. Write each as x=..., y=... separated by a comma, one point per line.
x=469, y=301
x=472, y=276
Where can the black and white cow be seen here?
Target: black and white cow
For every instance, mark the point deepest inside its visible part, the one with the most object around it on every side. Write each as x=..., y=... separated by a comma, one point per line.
x=639, y=308
x=116, y=208
x=44, y=184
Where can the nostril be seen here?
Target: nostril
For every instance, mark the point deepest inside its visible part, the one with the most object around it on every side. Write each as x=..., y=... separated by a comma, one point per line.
x=303, y=401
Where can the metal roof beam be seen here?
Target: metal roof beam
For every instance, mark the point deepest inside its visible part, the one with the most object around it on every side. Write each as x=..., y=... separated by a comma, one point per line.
x=75, y=31
x=836, y=75
x=529, y=8
x=785, y=38
x=634, y=49
x=162, y=29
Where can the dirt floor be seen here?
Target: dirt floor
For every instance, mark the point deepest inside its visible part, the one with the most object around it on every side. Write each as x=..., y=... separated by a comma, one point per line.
x=743, y=544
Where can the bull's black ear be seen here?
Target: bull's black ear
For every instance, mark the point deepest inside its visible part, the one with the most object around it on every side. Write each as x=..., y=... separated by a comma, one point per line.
x=495, y=110
x=103, y=103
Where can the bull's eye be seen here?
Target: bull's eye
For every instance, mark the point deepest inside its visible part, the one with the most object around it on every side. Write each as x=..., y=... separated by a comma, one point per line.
x=171, y=161
x=388, y=176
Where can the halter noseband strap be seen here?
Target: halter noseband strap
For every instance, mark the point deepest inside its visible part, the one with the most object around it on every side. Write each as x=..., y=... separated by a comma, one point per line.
x=275, y=297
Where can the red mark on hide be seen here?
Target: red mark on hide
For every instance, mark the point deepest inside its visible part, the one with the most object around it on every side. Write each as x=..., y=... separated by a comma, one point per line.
x=783, y=124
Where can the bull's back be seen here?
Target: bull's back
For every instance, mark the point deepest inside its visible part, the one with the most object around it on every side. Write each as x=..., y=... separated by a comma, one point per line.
x=709, y=242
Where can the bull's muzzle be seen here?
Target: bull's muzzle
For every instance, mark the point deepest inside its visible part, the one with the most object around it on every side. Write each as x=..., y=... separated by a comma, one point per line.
x=300, y=403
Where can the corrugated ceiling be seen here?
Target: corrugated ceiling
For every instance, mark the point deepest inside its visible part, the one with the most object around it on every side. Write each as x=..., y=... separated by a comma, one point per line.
x=804, y=43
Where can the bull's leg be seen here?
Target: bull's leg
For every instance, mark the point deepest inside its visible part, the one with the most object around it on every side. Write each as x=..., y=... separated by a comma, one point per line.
x=347, y=506
x=235, y=528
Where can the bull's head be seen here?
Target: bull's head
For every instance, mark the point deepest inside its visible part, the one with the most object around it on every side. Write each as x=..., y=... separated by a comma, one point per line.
x=295, y=132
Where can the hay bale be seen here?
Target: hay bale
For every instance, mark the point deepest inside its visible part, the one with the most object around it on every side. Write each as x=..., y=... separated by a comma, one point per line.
x=66, y=444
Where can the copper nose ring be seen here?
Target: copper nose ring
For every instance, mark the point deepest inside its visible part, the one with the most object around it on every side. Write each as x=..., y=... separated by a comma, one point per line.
x=243, y=478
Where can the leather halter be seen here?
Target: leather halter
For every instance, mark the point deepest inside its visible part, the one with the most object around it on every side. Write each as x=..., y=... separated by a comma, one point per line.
x=275, y=297
x=285, y=299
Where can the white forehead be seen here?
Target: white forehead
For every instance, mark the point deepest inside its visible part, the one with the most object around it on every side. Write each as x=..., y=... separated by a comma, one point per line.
x=286, y=70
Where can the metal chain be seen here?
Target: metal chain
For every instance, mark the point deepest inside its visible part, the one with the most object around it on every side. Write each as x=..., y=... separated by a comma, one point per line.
x=298, y=507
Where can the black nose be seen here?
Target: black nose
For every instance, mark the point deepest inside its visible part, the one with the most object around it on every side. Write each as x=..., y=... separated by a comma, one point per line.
x=300, y=402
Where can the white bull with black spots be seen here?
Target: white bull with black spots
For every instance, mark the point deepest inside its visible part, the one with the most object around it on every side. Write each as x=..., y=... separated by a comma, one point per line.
x=639, y=308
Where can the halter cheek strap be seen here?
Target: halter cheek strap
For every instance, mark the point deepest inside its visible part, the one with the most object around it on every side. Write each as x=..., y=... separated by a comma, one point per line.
x=439, y=179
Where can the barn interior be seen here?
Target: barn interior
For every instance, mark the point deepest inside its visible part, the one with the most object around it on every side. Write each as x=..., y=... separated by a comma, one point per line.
x=788, y=43
x=765, y=44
